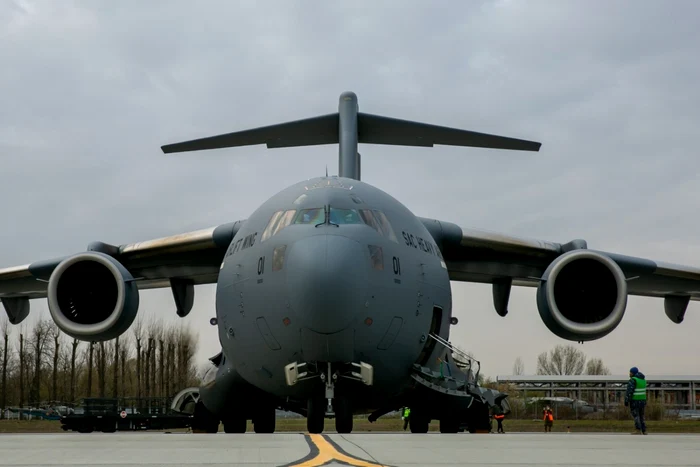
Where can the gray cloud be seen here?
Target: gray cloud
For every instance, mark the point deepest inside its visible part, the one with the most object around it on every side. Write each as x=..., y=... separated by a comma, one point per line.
x=92, y=89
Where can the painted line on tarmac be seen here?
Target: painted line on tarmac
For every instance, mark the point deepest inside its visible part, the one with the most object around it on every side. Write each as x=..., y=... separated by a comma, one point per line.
x=323, y=451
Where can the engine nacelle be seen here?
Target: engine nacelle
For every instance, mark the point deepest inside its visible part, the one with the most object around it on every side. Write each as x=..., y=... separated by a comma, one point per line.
x=92, y=297
x=582, y=295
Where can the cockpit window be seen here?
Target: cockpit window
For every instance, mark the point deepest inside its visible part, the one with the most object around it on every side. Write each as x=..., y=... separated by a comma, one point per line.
x=355, y=199
x=345, y=216
x=311, y=216
x=300, y=199
x=267, y=233
x=378, y=221
x=279, y=220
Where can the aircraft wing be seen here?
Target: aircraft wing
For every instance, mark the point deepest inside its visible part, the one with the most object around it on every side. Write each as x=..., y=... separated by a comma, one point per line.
x=193, y=256
x=474, y=255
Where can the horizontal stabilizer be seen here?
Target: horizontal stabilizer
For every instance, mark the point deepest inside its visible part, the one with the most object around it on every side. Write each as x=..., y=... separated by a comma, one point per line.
x=307, y=132
x=376, y=129
x=372, y=129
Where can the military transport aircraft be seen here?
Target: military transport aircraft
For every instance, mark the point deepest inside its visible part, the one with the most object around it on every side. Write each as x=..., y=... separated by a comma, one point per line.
x=333, y=298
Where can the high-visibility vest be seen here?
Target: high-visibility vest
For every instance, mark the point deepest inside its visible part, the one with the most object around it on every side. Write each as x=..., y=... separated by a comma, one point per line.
x=548, y=415
x=640, y=389
x=406, y=412
x=499, y=417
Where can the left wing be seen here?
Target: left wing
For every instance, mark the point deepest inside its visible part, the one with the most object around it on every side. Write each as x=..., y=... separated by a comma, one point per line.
x=584, y=275
x=193, y=258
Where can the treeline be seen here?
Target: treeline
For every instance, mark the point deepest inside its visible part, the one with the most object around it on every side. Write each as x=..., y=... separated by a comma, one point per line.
x=40, y=365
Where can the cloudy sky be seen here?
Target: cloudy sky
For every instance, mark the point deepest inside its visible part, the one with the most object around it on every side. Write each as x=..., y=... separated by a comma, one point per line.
x=91, y=90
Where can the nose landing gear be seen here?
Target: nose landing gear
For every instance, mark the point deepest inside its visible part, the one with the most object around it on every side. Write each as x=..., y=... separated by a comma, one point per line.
x=331, y=406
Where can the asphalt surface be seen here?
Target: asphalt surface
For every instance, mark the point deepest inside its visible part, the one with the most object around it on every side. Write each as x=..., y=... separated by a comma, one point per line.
x=372, y=449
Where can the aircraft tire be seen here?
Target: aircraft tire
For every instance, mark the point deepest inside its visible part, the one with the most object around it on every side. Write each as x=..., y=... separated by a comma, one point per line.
x=265, y=420
x=418, y=423
x=235, y=425
x=479, y=421
x=343, y=415
x=315, y=416
x=203, y=420
x=449, y=424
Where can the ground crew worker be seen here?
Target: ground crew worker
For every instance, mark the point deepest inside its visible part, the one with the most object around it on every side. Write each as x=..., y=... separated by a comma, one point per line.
x=499, y=416
x=406, y=416
x=548, y=419
x=636, y=398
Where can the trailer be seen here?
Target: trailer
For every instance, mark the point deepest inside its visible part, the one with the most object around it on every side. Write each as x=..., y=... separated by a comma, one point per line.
x=109, y=415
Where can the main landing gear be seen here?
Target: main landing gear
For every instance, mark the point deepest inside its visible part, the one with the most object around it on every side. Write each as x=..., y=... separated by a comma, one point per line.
x=264, y=421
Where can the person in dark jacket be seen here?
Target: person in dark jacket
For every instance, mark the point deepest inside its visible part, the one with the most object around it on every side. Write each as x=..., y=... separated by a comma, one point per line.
x=636, y=398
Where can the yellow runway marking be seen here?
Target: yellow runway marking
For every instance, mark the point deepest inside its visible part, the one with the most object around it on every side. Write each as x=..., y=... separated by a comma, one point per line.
x=324, y=451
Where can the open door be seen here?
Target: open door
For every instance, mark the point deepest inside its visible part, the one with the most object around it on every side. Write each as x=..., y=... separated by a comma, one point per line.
x=430, y=343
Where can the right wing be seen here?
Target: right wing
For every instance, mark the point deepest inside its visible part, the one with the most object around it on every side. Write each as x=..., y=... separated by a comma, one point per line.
x=194, y=257
x=472, y=255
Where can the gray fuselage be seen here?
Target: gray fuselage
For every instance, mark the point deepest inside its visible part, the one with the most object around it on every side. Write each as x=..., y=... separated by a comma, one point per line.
x=332, y=270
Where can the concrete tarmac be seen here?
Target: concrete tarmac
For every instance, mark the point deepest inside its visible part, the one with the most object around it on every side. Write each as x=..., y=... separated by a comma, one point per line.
x=364, y=450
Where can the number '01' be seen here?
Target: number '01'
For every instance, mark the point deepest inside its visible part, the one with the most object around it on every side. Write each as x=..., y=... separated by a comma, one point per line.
x=397, y=266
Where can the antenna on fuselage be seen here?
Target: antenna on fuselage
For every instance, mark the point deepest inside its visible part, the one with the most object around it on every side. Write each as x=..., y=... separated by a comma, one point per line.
x=348, y=127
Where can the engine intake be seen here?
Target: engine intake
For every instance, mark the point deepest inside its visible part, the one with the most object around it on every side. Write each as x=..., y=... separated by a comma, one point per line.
x=582, y=295
x=92, y=297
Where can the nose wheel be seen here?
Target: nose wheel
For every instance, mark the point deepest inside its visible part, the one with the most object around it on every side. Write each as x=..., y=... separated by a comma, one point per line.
x=315, y=414
x=343, y=415
x=330, y=405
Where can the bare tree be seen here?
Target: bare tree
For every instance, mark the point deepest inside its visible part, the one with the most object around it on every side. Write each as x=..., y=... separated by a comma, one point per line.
x=91, y=349
x=73, y=376
x=115, y=365
x=65, y=372
x=102, y=369
x=21, y=366
x=55, y=332
x=595, y=366
x=124, y=354
x=562, y=360
x=171, y=338
x=147, y=372
x=154, y=331
x=40, y=336
x=163, y=391
x=50, y=366
x=137, y=329
x=518, y=366
x=5, y=331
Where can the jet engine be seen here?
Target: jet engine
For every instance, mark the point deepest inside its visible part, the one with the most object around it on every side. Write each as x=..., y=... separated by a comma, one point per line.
x=92, y=297
x=582, y=295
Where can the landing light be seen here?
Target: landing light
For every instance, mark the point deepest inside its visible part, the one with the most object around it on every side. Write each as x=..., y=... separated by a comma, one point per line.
x=291, y=373
x=366, y=373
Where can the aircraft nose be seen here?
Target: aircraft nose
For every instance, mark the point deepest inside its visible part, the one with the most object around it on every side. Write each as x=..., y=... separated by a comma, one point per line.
x=327, y=281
